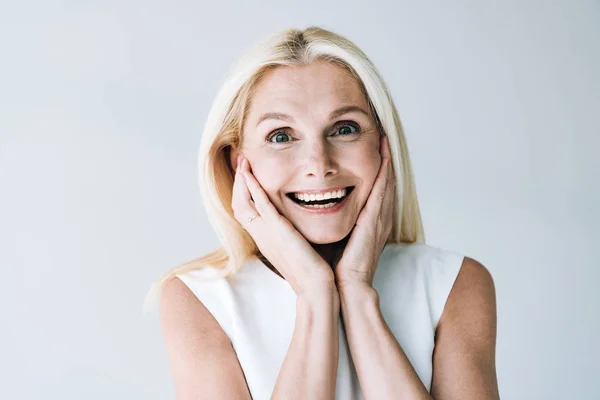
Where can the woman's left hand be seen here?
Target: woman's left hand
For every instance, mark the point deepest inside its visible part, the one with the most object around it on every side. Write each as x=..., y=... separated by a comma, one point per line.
x=374, y=224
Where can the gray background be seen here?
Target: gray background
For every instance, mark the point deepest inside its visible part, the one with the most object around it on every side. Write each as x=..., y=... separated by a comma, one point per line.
x=102, y=108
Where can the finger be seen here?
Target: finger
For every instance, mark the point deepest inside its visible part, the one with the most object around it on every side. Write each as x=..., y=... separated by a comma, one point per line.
x=385, y=147
x=390, y=189
x=239, y=187
x=380, y=191
x=386, y=154
x=241, y=199
x=261, y=201
x=387, y=208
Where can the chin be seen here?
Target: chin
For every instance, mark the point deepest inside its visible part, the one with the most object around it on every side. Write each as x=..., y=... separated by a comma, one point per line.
x=318, y=235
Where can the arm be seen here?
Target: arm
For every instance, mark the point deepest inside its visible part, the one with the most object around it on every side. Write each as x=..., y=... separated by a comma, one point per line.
x=464, y=358
x=309, y=370
x=204, y=364
x=383, y=370
x=464, y=361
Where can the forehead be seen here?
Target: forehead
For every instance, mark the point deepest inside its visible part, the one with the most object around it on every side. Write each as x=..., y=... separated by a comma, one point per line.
x=321, y=86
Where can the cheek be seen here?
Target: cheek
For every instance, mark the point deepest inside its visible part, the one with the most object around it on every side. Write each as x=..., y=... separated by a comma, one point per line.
x=271, y=174
x=366, y=163
x=366, y=167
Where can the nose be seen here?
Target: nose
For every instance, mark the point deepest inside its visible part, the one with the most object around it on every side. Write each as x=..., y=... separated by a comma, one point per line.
x=320, y=159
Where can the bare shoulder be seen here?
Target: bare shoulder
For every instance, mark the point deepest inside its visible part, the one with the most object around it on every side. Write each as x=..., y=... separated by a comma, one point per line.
x=179, y=305
x=473, y=283
x=202, y=360
x=464, y=360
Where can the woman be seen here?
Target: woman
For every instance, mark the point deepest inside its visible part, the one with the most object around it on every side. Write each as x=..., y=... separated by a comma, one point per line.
x=324, y=287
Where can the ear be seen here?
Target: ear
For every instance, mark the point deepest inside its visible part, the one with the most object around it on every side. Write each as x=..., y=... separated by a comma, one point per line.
x=233, y=153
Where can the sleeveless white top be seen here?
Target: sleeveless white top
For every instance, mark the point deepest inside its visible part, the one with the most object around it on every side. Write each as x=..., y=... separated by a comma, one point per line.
x=257, y=309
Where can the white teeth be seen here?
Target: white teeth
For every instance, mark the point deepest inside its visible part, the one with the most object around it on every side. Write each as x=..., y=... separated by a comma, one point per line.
x=328, y=205
x=336, y=194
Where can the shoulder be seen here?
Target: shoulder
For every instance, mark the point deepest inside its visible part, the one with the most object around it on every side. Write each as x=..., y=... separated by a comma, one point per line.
x=174, y=293
x=465, y=345
x=202, y=360
x=180, y=309
x=458, y=285
x=473, y=294
x=435, y=267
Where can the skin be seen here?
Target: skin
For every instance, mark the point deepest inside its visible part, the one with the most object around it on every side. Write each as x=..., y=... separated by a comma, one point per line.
x=203, y=362
x=351, y=241
x=314, y=151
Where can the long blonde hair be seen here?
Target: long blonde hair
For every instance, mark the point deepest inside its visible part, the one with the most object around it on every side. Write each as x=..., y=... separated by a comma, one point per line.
x=223, y=131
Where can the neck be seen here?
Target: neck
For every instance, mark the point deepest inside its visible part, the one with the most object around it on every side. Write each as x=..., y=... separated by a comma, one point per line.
x=331, y=252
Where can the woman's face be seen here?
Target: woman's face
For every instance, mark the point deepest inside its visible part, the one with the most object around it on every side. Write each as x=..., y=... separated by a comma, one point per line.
x=311, y=130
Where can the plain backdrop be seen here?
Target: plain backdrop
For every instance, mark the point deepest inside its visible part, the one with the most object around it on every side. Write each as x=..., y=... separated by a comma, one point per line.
x=102, y=105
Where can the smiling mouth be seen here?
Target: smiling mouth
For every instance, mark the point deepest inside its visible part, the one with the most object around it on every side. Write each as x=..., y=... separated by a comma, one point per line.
x=349, y=190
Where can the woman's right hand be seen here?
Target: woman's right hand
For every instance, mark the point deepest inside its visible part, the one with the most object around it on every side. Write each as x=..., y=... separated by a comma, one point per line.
x=277, y=239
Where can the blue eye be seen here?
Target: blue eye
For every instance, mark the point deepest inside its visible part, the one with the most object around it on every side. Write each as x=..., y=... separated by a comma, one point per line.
x=279, y=137
x=344, y=128
x=347, y=124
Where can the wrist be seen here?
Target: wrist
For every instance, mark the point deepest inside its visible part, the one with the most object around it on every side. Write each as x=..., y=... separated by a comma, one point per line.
x=359, y=277
x=318, y=296
x=359, y=290
x=359, y=300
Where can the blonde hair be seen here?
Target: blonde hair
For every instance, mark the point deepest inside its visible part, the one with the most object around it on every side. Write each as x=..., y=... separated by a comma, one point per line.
x=223, y=131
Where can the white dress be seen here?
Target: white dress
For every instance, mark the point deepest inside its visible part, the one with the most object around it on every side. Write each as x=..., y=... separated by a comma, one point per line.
x=257, y=309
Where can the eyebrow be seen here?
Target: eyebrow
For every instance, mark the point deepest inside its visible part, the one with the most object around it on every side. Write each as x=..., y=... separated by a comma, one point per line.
x=334, y=114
